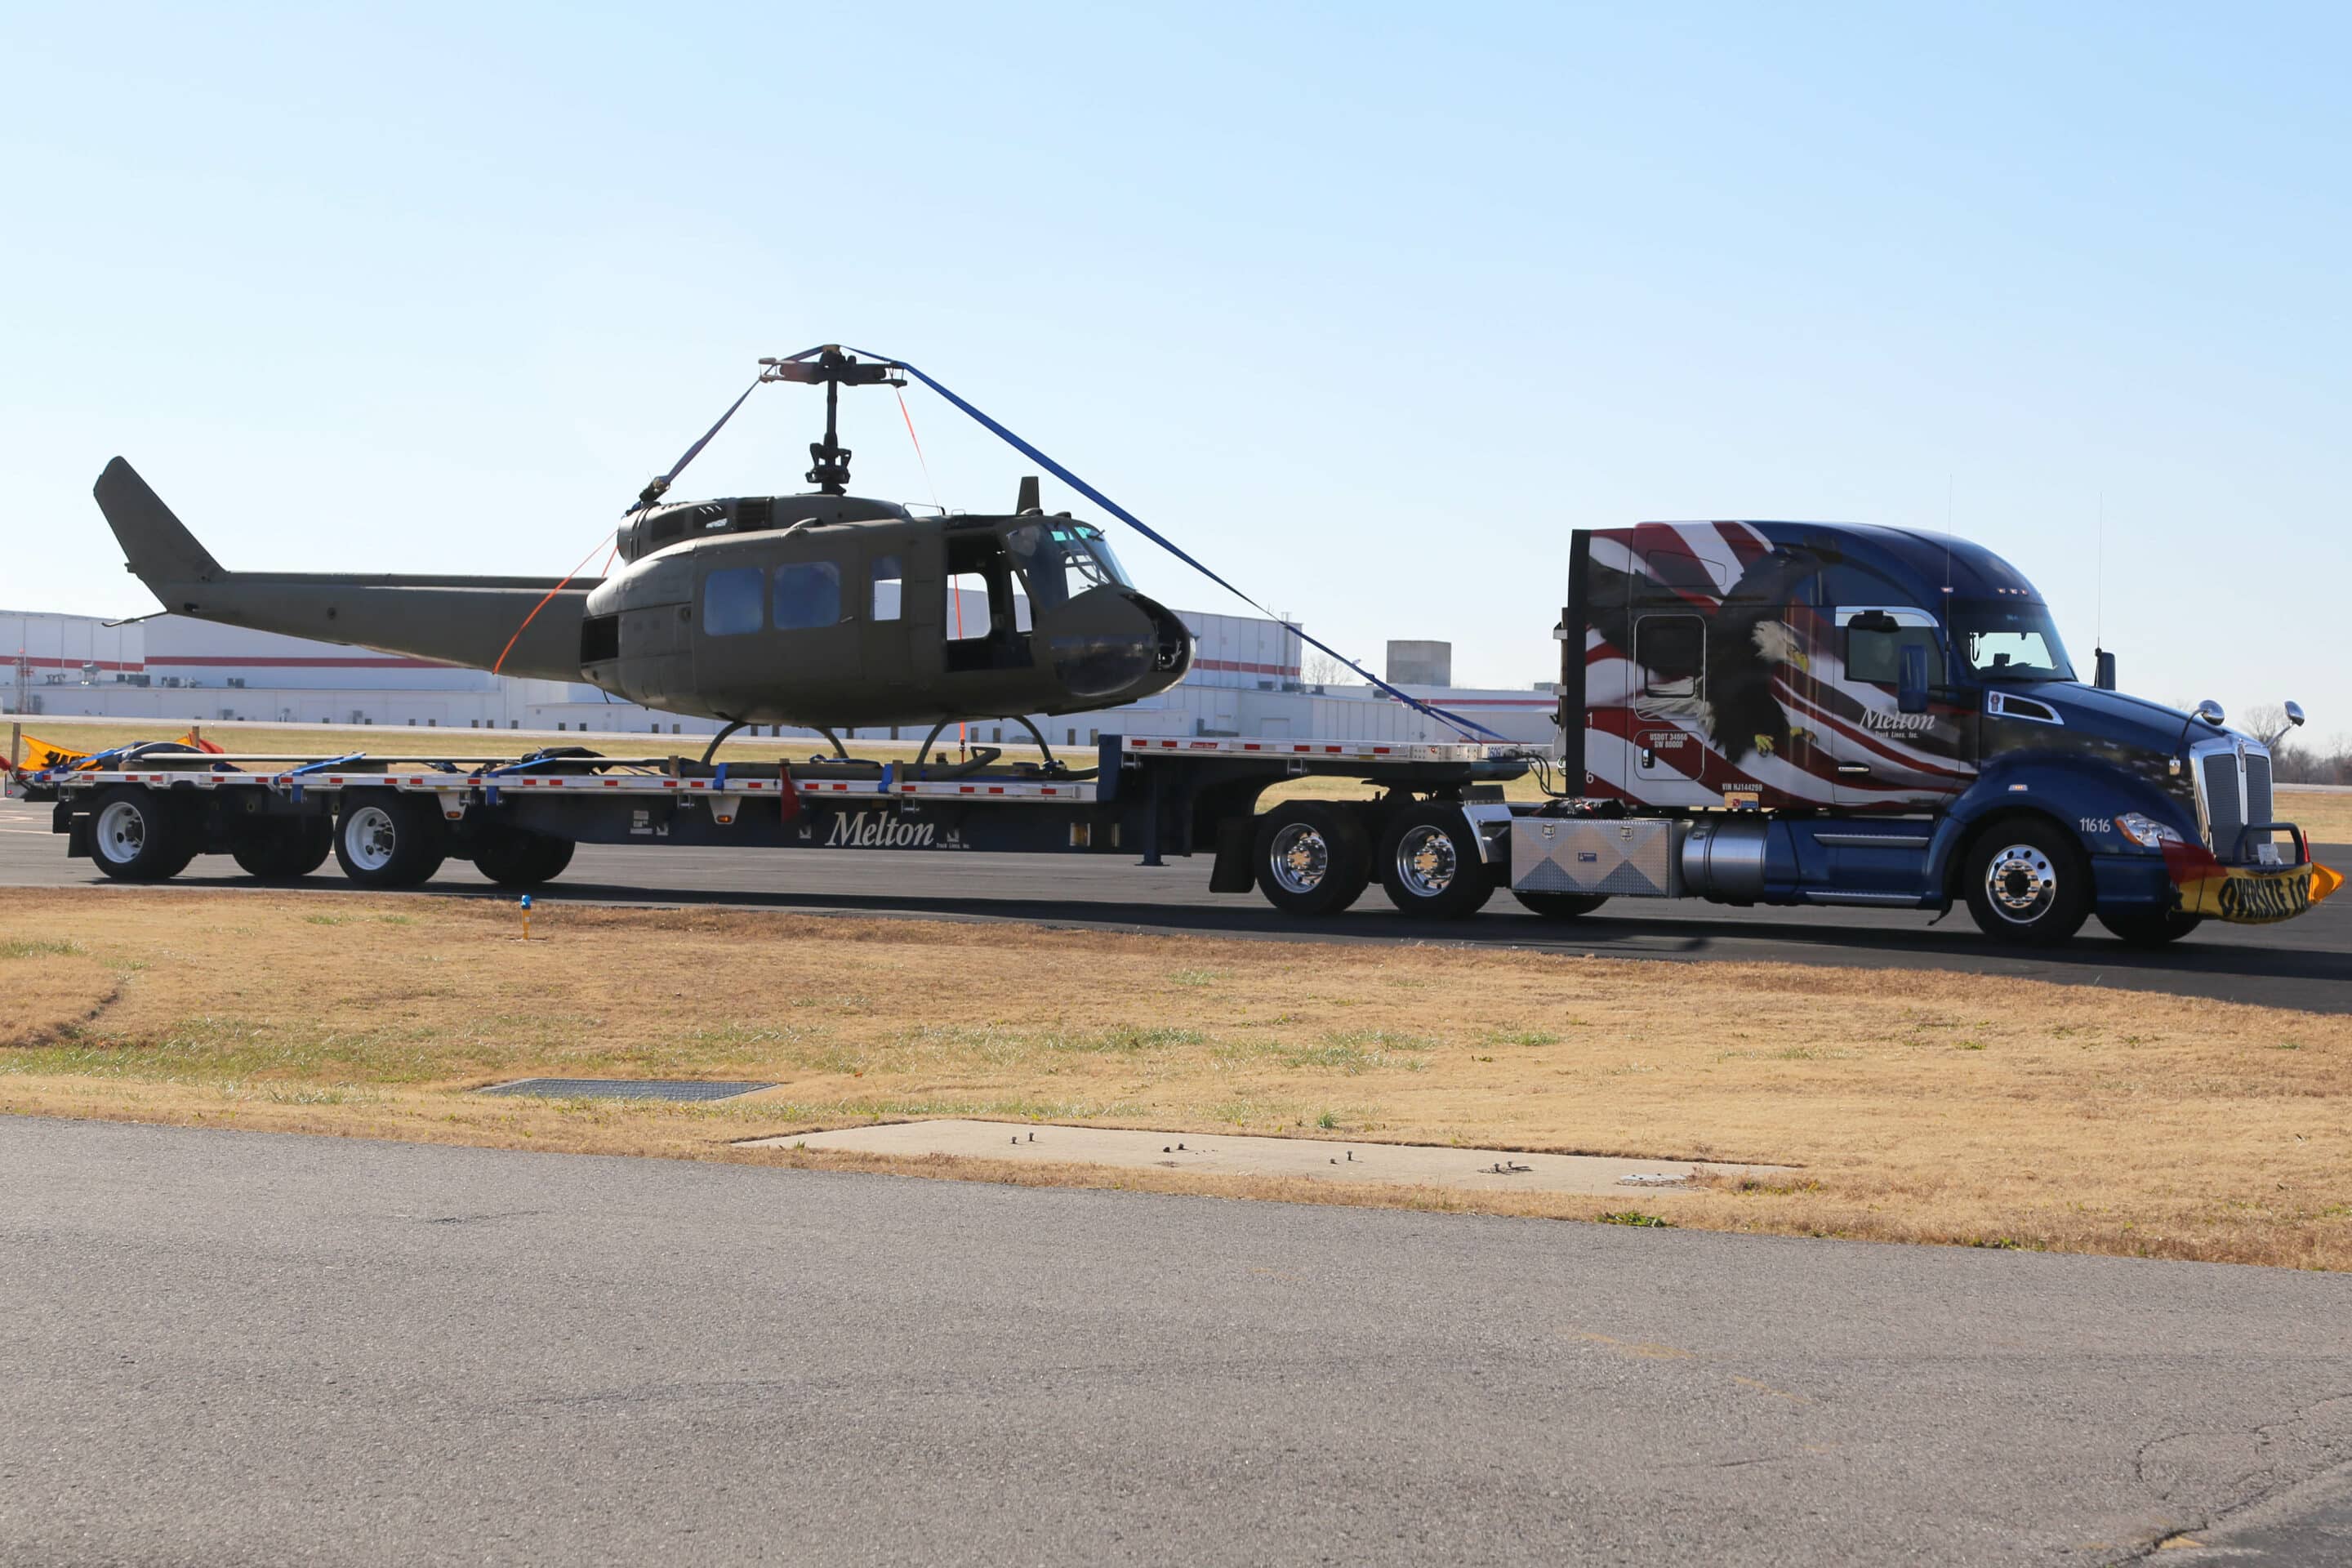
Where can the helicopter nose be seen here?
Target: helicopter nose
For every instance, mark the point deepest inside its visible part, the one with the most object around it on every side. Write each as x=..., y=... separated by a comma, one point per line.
x=1116, y=646
x=1172, y=637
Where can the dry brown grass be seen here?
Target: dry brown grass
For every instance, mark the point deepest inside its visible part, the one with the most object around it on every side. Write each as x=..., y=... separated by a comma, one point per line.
x=2326, y=816
x=1922, y=1106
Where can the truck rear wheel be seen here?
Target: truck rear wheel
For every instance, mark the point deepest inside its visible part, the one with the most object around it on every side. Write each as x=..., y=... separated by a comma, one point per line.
x=513, y=857
x=1560, y=906
x=1432, y=864
x=293, y=850
x=136, y=836
x=2151, y=928
x=388, y=840
x=1311, y=858
x=2027, y=883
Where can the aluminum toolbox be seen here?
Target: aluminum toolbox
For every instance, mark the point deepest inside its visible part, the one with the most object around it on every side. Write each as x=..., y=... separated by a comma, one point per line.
x=1624, y=857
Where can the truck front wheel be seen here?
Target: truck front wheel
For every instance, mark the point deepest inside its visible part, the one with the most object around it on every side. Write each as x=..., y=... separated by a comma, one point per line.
x=2027, y=883
x=388, y=840
x=1432, y=865
x=136, y=836
x=1311, y=858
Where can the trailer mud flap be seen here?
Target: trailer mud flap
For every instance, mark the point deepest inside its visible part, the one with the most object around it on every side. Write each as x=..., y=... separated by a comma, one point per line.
x=1233, y=872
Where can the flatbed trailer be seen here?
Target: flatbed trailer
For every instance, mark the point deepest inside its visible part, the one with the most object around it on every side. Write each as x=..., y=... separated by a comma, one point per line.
x=1437, y=834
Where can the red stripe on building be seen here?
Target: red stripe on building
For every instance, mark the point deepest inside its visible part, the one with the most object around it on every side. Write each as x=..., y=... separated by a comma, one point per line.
x=31, y=662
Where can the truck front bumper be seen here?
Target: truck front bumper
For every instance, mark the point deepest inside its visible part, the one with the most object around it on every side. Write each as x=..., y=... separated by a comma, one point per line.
x=2245, y=895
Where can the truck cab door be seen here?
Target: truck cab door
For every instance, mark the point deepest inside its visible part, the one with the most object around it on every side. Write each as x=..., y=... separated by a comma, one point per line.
x=1885, y=758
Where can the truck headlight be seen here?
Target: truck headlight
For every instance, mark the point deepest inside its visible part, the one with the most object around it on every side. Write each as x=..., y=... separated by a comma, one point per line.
x=2145, y=831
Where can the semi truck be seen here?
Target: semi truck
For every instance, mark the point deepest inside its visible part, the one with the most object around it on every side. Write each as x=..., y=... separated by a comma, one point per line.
x=1771, y=713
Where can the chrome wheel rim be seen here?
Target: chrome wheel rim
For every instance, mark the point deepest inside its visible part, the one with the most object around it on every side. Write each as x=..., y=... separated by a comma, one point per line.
x=1300, y=859
x=2021, y=884
x=121, y=832
x=370, y=838
x=1426, y=862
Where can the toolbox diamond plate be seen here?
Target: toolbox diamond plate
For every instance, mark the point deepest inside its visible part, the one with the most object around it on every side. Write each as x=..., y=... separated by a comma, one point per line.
x=1624, y=858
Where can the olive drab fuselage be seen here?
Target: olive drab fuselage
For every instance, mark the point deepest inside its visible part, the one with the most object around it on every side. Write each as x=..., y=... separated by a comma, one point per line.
x=838, y=611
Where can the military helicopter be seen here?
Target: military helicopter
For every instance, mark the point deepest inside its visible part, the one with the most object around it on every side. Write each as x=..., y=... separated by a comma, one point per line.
x=824, y=610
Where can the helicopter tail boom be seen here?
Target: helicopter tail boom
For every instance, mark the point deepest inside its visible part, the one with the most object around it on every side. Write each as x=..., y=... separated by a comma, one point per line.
x=453, y=620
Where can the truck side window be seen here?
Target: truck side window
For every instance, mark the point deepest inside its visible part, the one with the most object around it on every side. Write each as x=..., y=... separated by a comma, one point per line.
x=1874, y=642
x=1671, y=652
x=731, y=601
x=808, y=593
x=888, y=580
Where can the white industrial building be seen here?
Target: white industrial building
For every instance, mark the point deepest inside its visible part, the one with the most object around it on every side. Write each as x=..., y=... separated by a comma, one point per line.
x=1245, y=681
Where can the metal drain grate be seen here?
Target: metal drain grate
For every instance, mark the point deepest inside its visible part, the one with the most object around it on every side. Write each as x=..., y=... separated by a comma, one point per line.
x=623, y=1088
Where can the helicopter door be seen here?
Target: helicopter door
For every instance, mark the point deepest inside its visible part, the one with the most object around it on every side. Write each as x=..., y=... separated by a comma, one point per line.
x=888, y=630
x=983, y=623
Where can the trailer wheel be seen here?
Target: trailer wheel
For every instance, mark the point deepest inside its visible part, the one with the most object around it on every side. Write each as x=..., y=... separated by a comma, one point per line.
x=388, y=840
x=136, y=836
x=512, y=858
x=1432, y=864
x=2027, y=883
x=1311, y=858
x=2151, y=928
x=296, y=849
x=1560, y=906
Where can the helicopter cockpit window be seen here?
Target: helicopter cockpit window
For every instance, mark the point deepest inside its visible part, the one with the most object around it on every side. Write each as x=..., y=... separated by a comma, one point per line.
x=889, y=582
x=1062, y=560
x=808, y=593
x=731, y=601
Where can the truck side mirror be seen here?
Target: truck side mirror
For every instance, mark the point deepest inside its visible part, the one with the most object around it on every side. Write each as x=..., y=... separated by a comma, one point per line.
x=2104, y=676
x=1911, y=678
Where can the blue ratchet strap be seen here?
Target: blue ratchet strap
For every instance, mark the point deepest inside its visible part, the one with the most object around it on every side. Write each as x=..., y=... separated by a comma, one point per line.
x=293, y=775
x=719, y=780
x=484, y=774
x=654, y=490
x=1025, y=449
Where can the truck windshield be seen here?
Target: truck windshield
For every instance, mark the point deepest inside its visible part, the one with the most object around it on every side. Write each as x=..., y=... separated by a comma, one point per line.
x=1062, y=560
x=2009, y=640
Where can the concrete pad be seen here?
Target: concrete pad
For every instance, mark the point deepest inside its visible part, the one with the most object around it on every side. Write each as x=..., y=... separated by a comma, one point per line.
x=1482, y=1170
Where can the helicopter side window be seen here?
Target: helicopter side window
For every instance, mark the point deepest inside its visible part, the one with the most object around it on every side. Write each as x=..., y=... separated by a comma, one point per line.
x=731, y=601
x=808, y=593
x=889, y=584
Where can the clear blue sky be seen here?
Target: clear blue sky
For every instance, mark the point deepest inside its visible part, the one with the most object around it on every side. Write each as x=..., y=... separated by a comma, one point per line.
x=1369, y=305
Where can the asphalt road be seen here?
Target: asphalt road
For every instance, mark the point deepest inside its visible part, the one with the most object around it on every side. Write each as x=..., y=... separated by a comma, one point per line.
x=229, y=1348
x=2305, y=963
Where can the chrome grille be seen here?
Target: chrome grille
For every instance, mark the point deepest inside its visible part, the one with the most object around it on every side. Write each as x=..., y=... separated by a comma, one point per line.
x=2234, y=788
x=2258, y=788
x=2217, y=781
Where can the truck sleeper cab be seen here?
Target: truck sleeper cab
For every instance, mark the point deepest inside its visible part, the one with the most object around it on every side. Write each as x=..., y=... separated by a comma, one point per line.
x=1813, y=713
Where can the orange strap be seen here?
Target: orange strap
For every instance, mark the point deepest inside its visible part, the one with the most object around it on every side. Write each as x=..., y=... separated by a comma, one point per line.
x=540, y=605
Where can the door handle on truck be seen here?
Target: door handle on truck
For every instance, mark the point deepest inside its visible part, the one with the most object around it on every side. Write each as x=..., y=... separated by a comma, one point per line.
x=1852, y=770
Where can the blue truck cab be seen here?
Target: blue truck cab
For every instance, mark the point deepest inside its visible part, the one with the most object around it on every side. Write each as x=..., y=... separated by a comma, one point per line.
x=1812, y=713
